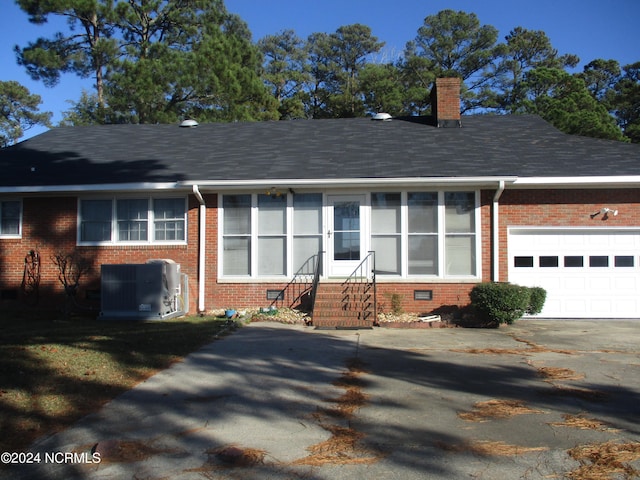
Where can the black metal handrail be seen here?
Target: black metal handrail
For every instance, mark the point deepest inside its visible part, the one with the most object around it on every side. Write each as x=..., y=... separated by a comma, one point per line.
x=357, y=288
x=301, y=289
x=316, y=279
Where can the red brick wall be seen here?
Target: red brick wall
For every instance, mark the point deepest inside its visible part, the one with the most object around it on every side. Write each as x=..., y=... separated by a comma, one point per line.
x=50, y=227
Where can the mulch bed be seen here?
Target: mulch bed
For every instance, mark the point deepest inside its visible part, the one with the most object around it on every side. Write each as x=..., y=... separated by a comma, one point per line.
x=415, y=325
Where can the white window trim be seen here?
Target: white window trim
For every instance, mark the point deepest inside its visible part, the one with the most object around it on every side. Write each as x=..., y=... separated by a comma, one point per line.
x=114, y=221
x=441, y=277
x=19, y=234
x=253, y=254
x=441, y=239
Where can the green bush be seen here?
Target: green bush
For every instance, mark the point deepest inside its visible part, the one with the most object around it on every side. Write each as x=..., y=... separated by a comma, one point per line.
x=497, y=303
x=536, y=302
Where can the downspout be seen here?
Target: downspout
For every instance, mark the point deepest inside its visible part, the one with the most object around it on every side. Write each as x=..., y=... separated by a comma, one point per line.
x=495, y=232
x=202, y=228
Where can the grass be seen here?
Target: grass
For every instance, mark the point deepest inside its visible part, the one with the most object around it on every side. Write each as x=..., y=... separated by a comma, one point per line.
x=54, y=372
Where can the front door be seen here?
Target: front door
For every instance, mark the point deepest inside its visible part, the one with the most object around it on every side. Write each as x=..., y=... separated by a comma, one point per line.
x=345, y=239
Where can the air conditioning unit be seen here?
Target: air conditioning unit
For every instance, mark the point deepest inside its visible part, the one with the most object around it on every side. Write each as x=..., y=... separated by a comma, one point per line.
x=155, y=290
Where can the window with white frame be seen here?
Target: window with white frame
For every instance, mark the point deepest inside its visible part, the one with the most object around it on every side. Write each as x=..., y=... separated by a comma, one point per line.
x=269, y=235
x=422, y=233
x=460, y=233
x=414, y=234
x=386, y=232
x=236, y=242
x=169, y=219
x=272, y=235
x=132, y=220
x=307, y=228
x=10, y=218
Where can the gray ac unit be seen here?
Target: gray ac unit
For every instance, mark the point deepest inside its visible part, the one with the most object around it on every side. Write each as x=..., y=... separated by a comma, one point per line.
x=155, y=290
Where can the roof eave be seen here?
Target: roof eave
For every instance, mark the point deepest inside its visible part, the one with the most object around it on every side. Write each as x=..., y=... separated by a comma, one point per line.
x=106, y=187
x=632, y=181
x=224, y=185
x=596, y=181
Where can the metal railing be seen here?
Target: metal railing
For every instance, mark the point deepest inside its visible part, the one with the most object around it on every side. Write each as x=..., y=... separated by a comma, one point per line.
x=359, y=290
x=300, y=292
x=316, y=280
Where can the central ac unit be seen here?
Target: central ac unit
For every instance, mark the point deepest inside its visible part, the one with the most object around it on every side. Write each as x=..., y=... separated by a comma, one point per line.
x=155, y=290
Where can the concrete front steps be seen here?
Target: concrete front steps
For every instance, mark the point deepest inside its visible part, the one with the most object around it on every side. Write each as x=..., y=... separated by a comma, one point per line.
x=344, y=306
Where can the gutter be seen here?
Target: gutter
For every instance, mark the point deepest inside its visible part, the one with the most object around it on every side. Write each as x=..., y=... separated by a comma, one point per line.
x=222, y=185
x=595, y=181
x=106, y=187
x=598, y=181
x=202, y=228
x=495, y=232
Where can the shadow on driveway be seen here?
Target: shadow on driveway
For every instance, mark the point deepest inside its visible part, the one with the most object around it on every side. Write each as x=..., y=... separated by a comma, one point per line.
x=270, y=389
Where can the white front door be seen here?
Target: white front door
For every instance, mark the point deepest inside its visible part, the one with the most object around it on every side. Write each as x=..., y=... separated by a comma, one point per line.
x=346, y=242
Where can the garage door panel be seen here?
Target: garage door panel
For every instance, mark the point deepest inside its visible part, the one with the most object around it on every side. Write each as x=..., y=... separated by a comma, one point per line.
x=549, y=241
x=573, y=283
x=573, y=241
x=569, y=305
x=622, y=306
x=553, y=304
x=597, y=241
x=551, y=283
x=599, y=284
x=626, y=284
x=597, y=272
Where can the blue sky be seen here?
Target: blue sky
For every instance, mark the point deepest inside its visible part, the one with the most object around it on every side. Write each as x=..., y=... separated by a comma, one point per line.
x=588, y=28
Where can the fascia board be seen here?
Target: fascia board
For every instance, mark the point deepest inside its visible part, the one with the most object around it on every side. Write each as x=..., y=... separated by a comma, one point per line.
x=107, y=187
x=598, y=181
x=222, y=185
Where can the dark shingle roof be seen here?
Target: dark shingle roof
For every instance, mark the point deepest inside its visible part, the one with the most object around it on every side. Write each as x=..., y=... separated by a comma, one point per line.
x=523, y=146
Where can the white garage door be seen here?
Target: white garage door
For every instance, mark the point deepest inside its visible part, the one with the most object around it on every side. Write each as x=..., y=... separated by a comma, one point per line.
x=588, y=273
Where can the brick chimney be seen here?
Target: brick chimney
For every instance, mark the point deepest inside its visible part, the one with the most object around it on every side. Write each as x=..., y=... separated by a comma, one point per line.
x=445, y=102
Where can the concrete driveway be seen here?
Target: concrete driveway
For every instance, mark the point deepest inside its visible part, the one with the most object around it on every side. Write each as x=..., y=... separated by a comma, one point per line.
x=276, y=401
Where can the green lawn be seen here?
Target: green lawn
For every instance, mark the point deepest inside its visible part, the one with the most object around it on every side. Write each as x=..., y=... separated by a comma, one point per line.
x=54, y=372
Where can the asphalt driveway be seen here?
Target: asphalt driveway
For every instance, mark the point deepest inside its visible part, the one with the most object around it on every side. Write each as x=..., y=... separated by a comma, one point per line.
x=540, y=399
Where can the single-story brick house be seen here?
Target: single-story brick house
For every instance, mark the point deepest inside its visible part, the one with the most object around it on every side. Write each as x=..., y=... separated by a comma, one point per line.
x=445, y=202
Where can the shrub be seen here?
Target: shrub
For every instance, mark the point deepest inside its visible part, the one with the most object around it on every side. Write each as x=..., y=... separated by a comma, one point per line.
x=396, y=303
x=536, y=302
x=497, y=303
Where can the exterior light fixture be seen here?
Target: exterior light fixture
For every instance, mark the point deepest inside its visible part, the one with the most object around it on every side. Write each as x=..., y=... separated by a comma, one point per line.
x=605, y=212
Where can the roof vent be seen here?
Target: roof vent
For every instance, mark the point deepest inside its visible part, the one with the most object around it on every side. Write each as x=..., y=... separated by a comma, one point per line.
x=381, y=117
x=188, y=123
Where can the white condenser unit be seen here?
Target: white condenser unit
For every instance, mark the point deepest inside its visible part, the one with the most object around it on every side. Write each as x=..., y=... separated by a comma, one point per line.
x=155, y=290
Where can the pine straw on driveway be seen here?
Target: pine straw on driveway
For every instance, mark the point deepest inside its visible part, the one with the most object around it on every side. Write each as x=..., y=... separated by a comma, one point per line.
x=604, y=461
x=483, y=411
x=343, y=446
x=488, y=448
x=583, y=423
